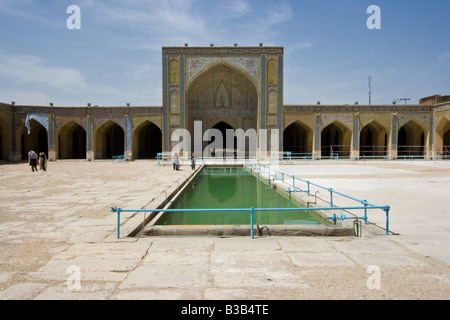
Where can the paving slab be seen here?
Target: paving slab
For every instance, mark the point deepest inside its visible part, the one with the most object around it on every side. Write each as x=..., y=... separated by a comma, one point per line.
x=320, y=259
x=166, y=276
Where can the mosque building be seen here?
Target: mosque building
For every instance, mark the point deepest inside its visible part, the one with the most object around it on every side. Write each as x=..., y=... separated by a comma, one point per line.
x=226, y=88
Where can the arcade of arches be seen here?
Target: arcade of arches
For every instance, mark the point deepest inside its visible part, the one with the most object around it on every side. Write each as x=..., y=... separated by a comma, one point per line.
x=72, y=139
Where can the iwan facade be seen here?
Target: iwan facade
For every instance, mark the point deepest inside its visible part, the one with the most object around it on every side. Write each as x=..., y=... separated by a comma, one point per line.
x=226, y=88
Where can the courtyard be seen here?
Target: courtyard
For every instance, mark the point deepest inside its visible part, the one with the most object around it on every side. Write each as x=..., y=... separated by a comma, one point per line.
x=52, y=222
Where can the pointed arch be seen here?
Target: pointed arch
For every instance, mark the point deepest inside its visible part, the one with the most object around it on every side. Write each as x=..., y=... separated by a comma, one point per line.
x=336, y=140
x=109, y=140
x=373, y=140
x=71, y=141
x=298, y=138
x=223, y=63
x=223, y=126
x=442, y=137
x=5, y=139
x=36, y=139
x=222, y=92
x=412, y=139
x=147, y=140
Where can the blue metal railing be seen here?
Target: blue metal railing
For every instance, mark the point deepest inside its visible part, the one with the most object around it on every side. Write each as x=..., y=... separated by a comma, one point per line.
x=274, y=174
x=286, y=178
x=287, y=156
x=120, y=158
x=165, y=158
x=252, y=212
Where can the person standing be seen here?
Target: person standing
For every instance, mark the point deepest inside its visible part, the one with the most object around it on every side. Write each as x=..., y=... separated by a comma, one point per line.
x=42, y=161
x=32, y=160
x=193, y=161
x=176, y=161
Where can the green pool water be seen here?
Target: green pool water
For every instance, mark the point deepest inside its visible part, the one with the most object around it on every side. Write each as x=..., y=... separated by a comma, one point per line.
x=234, y=187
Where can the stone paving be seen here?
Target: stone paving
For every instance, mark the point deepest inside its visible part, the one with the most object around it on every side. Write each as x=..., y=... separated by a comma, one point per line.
x=58, y=238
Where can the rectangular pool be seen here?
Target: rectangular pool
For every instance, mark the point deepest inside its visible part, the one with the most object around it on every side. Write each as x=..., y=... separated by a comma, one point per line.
x=230, y=188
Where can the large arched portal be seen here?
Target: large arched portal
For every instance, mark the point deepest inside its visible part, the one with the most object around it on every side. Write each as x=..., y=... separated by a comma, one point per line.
x=373, y=140
x=221, y=94
x=411, y=140
x=71, y=141
x=297, y=138
x=147, y=141
x=109, y=140
x=335, y=141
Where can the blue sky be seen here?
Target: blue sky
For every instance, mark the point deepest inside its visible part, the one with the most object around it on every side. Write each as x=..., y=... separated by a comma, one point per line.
x=115, y=57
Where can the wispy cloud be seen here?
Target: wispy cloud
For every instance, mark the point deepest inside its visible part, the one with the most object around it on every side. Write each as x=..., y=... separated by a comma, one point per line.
x=197, y=22
x=160, y=19
x=23, y=69
x=31, y=80
x=21, y=10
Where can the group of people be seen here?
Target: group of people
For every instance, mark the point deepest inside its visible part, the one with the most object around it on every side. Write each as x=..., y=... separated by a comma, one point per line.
x=176, y=161
x=37, y=160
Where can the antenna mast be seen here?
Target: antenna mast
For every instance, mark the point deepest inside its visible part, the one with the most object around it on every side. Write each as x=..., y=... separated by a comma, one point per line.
x=370, y=90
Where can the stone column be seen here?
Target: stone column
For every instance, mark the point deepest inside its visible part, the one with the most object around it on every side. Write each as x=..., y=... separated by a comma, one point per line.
x=355, y=145
x=90, y=137
x=51, y=138
x=128, y=154
x=394, y=133
x=317, y=152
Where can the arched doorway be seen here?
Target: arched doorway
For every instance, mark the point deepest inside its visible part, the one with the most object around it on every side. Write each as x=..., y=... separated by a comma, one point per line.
x=297, y=138
x=442, y=137
x=225, y=94
x=71, y=141
x=36, y=140
x=147, y=141
x=335, y=141
x=446, y=145
x=411, y=140
x=1, y=142
x=5, y=139
x=373, y=140
x=224, y=147
x=109, y=140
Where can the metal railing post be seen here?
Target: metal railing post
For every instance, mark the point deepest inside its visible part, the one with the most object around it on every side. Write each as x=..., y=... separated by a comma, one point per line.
x=387, y=220
x=251, y=222
x=118, y=223
x=331, y=196
x=365, y=211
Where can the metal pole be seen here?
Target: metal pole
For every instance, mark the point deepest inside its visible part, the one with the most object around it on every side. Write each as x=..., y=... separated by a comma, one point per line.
x=387, y=221
x=331, y=197
x=118, y=223
x=251, y=222
x=365, y=211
